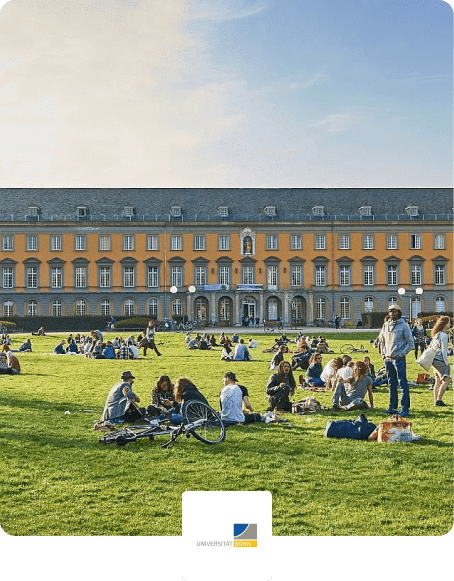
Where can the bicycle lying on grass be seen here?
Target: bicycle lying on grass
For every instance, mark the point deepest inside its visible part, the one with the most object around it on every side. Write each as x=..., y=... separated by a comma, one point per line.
x=349, y=348
x=199, y=420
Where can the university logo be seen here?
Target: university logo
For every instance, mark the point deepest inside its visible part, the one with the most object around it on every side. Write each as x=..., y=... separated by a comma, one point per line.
x=244, y=535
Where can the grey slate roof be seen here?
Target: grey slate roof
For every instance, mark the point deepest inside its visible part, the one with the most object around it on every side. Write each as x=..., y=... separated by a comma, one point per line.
x=203, y=203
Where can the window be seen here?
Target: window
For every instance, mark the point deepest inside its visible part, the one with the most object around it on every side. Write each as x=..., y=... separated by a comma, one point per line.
x=224, y=242
x=223, y=211
x=248, y=275
x=368, y=242
x=318, y=211
x=295, y=242
x=270, y=210
x=368, y=304
x=81, y=211
x=393, y=300
x=128, y=242
x=320, y=308
x=344, y=275
x=104, y=242
x=368, y=275
x=391, y=241
x=32, y=242
x=416, y=274
x=153, y=308
x=176, y=243
x=152, y=242
x=81, y=242
x=271, y=242
x=365, y=210
x=32, y=308
x=273, y=309
x=176, y=276
x=296, y=275
x=7, y=243
x=175, y=211
x=320, y=276
x=177, y=307
x=439, y=274
x=81, y=277
x=105, y=307
x=345, y=308
x=200, y=275
x=320, y=242
x=153, y=276
x=105, y=277
x=81, y=307
x=128, y=276
x=225, y=309
x=129, y=211
x=439, y=241
x=8, y=309
x=224, y=275
x=32, y=277
x=391, y=275
x=415, y=241
x=440, y=304
x=129, y=307
x=199, y=243
x=412, y=210
x=56, y=308
x=56, y=243
x=344, y=241
x=271, y=276
x=201, y=308
x=57, y=277
x=8, y=277
x=33, y=211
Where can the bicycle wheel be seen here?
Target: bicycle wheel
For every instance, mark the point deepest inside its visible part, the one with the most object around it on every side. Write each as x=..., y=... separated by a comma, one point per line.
x=347, y=348
x=212, y=430
x=269, y=329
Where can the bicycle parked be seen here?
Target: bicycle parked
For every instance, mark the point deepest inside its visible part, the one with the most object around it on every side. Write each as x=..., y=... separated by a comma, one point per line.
x=274, y=327
x=349, y=348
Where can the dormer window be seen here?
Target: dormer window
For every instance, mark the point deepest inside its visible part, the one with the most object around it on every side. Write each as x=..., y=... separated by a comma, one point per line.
x=223, y=211
x=33, y=211
x=365, y=210
x=318, y=210
x=412, y=210
x=175, y=211
x=81, y=211
x=270, y=210
x=129, y=211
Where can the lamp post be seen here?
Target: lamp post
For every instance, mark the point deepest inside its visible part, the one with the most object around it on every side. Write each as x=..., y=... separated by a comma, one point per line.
x=402, y=293
x=191, y=291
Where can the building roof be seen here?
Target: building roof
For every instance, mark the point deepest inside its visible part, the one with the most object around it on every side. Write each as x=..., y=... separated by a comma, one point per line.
x=243, y=203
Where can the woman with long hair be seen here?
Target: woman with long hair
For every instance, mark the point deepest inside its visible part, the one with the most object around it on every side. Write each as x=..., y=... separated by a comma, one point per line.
x=278, y=357
x=419, y=337
x=162, y=395
x=315, y=370
x=350, y=394
x=280, y=386
x=185, y=390
x=440, y=333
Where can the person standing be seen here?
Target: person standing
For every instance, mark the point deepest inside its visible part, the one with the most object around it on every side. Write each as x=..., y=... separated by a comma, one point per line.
x=395, y=342
x=440, y=363
x=149, y=340
x=419, y=337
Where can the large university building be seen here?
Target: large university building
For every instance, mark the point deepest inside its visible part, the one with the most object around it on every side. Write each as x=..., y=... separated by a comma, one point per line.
x=224, y=254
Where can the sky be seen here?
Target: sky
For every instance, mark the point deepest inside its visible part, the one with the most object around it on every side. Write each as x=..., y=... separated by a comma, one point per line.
x=225, y=93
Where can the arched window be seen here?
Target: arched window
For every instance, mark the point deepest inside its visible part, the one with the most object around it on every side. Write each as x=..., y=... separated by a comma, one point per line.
x=225, y=309
x=129, y=307
x=177, y=307
x=273, y=309
x=440, y=304
x=368, y=304
x=416, y=307
x=153, y=308
x=8, y=309
x=201, y=309
x=297, y=309
x=393, y=300
x=56, y=308
x=320, y=308
x=32, y=308
x=81, y=307
x=105, y=307
x=345, y=308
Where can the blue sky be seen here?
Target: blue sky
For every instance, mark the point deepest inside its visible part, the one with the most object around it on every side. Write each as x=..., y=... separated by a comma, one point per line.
x=308, y=93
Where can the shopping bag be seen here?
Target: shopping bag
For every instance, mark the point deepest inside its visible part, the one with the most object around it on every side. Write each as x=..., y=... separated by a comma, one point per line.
x=396, y=429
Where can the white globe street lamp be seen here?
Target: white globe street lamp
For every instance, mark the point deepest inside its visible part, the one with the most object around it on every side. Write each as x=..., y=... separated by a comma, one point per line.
x=418, y=292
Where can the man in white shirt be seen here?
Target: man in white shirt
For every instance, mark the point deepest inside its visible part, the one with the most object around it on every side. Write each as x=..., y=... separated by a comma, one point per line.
x=241, y=352
x=253, y=344
x=231, y=400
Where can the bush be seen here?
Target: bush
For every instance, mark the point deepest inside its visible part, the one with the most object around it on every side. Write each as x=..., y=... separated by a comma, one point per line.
x=8, y=324
x=133, y=322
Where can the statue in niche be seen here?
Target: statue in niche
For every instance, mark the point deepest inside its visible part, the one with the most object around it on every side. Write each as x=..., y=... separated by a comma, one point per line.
x=247, y=245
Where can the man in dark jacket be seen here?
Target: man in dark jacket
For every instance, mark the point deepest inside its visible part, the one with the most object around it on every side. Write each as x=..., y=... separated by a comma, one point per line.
x=121, y=401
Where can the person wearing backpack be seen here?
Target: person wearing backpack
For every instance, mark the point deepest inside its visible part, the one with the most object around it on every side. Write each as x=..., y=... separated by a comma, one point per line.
x=440, y=363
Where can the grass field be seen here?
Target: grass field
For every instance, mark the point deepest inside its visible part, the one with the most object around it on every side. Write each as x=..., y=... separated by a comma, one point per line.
x=56, y=479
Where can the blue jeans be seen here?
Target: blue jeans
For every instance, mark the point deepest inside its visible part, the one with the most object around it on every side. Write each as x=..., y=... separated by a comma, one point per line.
x=315, y=381
x=397, y=376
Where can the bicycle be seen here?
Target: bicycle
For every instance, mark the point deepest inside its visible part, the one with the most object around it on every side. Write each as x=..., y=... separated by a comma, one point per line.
x=274, y=328
x=349, y=348
x=199, y=420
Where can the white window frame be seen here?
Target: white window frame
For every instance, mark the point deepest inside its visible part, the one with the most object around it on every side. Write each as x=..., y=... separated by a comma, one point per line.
x=32, y=308
x=224, y=275
x=129, y=307
x=153, y=307
x=105, y=276
x=439, y=242
x=320, y=308
x=56, y=308
x=175, y=211
x=200, y=242
x=368, y=275
x=153, y=276
x=56, y=243
x=440, y=304
x=416, y=275
x=80, y=277
x=176, y=242
x=271, y=242
x=224, y=242
x=344, y=241
x=177, y=307
x=32, y=242
x=152, y=242
x=8, y=277
x=8, y=243
x=345, y=308
x=270, y=210
x=176, y=276
x=105, y=307
x=57, y=277
x=129, y=242
x=272, y=273
x=247, y=275
x=296, y=275
x=320, y=275
x=81, y=242
x=8, y=309
x=415, y=242
x=81, y=307
x=440, y=273
x=201, y=275
x=81, y=211
x=344, y=275
x=105, y=242
x=318, y=210
x=392, y=242
x=129, y=276
x=392, y=275
x=365, y=210
x=32, y=277
x=369, y=304
x=223, y=211
x=296, y=242
x=368, y=242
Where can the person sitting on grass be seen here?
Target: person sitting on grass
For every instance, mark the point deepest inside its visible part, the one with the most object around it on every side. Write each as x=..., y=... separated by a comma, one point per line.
x=242, y=352
x=235, y=337
x=39, y=332
x=13, y=363
x=72, y=348
x=109, y=351
x=162, y=398
x=232, y=399
x=4, y=369
x=323, y=347
x=351, y=393
x=192, y=344
x=301, y=358
x=184, y=391
x=330, y=373
x=26, y=347
x=314, y=371
x=124, y=352
x=59, y=349
x=121, y=405
x=278, y=357
x=253, y=343
x=227, y=353
x=280, y=386
x=371, y=367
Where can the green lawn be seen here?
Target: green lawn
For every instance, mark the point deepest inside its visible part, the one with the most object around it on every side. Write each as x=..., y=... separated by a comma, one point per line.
x=58, y=480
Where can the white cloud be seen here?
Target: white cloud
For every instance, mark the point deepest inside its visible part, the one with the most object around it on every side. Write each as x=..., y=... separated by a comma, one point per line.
x=222, y=10
x=337, y=122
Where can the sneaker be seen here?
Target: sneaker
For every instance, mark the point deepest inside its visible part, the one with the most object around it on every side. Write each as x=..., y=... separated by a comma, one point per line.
x=440, y=403
x=391, y=412
x=404, y=413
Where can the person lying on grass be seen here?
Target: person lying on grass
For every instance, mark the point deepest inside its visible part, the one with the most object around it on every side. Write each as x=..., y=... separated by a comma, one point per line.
x=121, y=405
x=280, y=386
x=234, y=402
x=350, y=393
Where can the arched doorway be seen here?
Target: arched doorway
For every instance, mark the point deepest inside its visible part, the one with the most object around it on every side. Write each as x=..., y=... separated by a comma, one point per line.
x=225, y=311
x=201, y=309
x=249, y=309
x=273, y=309
x=298, y=311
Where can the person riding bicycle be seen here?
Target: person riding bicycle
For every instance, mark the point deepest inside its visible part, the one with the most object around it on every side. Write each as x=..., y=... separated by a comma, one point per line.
x=121, y=405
